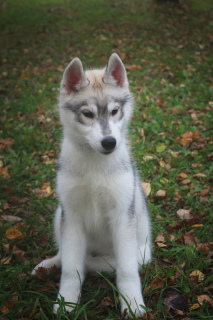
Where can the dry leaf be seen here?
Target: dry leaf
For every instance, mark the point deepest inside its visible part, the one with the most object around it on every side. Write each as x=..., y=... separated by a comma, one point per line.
x=194, y=306
x=205, y=297
x=197, y=273
x=156, y=283
x=160, y=238
x=184, y=214
x=182, y=175
x=10, y=218
x=6, y=260
x=41, y=272
x=160, y=193
x=133, y=67
x=14, y=233
x=146, y=187
x=107, y=302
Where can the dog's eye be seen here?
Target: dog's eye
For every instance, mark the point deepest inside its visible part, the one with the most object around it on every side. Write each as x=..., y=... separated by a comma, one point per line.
x=88, y=114
x=114, y=111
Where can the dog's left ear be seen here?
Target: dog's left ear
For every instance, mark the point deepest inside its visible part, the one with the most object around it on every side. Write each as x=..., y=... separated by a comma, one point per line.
x=115, y=72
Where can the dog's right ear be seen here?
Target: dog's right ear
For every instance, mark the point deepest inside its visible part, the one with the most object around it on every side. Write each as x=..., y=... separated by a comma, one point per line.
x=74, y=77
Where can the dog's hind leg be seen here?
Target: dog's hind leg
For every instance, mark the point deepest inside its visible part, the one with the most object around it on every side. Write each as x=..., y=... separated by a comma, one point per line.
x=48, y=263
x=100, y=263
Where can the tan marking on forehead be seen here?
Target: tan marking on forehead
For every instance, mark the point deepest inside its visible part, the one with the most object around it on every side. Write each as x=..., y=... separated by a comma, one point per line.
x=95, y=78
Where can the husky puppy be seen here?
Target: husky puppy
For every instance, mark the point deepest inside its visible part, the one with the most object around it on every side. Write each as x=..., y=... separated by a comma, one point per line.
x=102, y=222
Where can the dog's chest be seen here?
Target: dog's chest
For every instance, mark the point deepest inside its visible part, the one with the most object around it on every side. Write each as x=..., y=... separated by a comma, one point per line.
x=93, y=203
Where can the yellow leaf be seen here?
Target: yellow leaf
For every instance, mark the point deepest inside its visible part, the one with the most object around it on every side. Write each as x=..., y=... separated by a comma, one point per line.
x=14, y=233
x=197, y=273
x=194, y=306
x=197, y=225
x=146, y=187
x=161, y=148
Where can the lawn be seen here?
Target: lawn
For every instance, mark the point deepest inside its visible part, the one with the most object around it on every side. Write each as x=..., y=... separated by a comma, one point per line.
x=167, y=50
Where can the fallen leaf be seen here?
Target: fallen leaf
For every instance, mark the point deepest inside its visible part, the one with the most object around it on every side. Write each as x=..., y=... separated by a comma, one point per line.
x=196, y=134
x=199, y=175
x=6, y=260
x=156, y=283
x=205, y=297
x=5, y=143
x=9, y=304
x=186, y=181
x=194, y=306
x=160, y=193
x=147, y=158
x=182, y=175
x=160, y=238
x=10, y=218
x=189, y=237
x=197, y=273
x=184, y=214
x=14, y=233
x=41, y=272
x=146, y=187
x=133, y=67
x=177, y=195
x=107, y=302
x=161, y=148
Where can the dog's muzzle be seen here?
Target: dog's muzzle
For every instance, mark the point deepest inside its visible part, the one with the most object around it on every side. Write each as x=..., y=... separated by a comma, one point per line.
x=108, y=143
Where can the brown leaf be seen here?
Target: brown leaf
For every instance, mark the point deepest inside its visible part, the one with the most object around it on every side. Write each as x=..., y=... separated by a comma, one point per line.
x=160, y=238
x=9, y=304
x=189, y=237
x=182, y=175
x=107, y=302
x=10, y=218
x=186, y=181
x=133, y=67
x=193, y=280
x=200, y=174
x=6, y=260
x=195, y=134
x=177, y=195
x=160, y=193
x=41, y=272
x=156, y=283
x=5, y=143
x=184, y=214
x=204, y=192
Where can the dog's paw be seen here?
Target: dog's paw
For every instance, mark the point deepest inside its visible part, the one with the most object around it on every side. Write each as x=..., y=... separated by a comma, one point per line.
x=67, y=308
x=136, y=307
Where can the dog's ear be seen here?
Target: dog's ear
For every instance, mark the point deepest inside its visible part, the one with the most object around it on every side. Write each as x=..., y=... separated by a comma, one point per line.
x=74, y=77
x=115, y=72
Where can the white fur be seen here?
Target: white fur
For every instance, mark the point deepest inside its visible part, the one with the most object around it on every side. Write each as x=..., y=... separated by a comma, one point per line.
x=98, y=231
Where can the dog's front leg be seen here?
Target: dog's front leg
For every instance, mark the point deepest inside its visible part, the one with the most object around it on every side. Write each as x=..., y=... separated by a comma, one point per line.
x=73, y=248
x=128, y=280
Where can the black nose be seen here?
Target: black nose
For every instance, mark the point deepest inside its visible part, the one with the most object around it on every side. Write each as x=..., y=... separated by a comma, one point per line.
x=108, y=143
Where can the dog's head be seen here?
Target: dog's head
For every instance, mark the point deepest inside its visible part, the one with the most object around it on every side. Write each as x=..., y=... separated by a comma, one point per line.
x=96, y=105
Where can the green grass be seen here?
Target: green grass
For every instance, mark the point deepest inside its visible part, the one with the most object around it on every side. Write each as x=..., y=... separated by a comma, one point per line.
x=171, y=45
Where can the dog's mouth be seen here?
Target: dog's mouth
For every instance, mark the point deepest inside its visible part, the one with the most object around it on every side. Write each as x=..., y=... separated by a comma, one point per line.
x=107, y=152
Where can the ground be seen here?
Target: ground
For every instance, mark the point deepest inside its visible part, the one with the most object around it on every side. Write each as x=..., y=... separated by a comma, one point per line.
x=167, y=49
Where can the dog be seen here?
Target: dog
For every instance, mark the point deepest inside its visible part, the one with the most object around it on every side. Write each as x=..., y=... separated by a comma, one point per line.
x=102, y=221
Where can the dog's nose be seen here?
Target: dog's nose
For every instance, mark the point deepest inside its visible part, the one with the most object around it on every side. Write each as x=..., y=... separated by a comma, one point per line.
x=108, y=143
